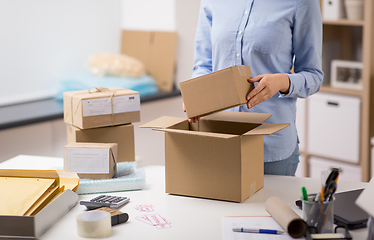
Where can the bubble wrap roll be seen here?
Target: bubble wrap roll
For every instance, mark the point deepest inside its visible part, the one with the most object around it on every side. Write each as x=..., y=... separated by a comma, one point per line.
x=128, y=177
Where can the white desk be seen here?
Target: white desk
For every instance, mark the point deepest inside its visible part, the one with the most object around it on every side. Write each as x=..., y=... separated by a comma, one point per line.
x=191, y=218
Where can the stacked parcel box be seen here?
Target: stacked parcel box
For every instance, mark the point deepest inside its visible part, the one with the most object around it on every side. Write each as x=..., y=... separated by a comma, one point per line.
x=100, y=132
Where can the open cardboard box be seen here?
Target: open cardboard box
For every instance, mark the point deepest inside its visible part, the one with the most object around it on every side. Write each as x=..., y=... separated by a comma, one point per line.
x=219, y=157
x=13, y=227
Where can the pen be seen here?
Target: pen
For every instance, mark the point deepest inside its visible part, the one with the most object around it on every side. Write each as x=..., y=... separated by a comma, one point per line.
x=250, y=230
x=305, y=194
x=322, y=194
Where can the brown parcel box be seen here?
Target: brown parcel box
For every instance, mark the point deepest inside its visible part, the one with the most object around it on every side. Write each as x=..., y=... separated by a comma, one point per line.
x=123, y=135
x=220, y=157
x=216, y=91
x=91, y=160
x=156, y=50
x=101, y=107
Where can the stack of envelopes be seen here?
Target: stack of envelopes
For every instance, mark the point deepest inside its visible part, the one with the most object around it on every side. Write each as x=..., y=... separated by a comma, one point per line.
x=26, y=192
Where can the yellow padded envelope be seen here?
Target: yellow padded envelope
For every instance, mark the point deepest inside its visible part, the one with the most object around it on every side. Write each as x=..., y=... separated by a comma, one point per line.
x=19, y=194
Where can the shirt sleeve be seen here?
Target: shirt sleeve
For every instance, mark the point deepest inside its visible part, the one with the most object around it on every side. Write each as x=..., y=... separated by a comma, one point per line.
x=203, y=43
x=307, y=47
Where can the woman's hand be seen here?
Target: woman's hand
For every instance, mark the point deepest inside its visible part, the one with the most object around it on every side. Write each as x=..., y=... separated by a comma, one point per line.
x=268, y=85
x=191, y=120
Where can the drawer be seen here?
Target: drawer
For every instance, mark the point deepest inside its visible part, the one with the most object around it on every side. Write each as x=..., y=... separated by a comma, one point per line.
x=333, y=9
x=334, y=126
x=349, y=172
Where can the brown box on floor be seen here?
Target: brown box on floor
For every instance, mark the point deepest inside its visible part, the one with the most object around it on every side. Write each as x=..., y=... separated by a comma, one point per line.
x=91, y=160
x=101, y=107
x=220, y=157
x=123, y=135
x=157, y=51
x=216, y=91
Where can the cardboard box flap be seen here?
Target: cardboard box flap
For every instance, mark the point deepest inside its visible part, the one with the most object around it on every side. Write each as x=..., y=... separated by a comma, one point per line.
x=245, y=117
x=267, y=129
x=197, y=133
x=163, y=122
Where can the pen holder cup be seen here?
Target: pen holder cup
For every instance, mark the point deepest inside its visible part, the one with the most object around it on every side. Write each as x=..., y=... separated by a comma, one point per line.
x=319, y=215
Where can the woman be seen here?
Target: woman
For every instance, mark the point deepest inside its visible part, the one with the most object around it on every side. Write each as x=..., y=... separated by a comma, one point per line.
x=269, y=36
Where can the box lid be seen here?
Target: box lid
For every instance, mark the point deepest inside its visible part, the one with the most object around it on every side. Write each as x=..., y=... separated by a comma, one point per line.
x=267, y=129
x=244, y=117
x=90, y=145
x=163, y=122
x=99, y=92
x=197, y=133
x=216, y=91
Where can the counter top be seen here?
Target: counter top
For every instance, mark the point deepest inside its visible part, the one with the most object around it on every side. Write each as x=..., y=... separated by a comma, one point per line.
x=49, y=109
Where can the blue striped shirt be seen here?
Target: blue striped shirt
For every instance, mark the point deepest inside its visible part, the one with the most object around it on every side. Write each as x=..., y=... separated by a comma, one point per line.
x=267, y=35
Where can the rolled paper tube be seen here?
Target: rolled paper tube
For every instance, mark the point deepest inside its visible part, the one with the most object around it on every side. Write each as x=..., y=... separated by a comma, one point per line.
x=286, y=217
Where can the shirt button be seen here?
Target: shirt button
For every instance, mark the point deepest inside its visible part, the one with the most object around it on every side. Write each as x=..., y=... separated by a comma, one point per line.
x=240, y=32
x=246, y=12
x=237, y=54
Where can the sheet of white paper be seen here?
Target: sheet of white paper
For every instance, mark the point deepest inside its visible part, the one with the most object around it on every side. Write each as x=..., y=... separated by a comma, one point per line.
x=103, y=106
x=87, y=160
x=228, y=223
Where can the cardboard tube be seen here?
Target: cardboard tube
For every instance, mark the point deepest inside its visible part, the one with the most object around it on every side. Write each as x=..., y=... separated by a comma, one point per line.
x=94, y=224
x=286, y=217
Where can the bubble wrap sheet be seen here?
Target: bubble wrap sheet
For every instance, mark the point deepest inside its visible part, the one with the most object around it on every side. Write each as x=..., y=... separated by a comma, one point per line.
x=128, y=177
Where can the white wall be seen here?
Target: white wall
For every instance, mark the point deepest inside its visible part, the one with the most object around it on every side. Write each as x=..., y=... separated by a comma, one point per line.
x=42, y=40
x=187, y=14
x=148, y=15
x=166, y=15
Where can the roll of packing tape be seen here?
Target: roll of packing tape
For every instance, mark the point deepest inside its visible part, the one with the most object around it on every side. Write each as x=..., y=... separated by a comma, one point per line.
x=94, y=224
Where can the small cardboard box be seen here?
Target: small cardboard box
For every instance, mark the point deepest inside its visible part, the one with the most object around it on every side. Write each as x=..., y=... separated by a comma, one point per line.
x=220, y=157
x=30, y=227
x=156, y=50
x=91, y=160
x=123, y=135
x=216, y=91
x=101, y=107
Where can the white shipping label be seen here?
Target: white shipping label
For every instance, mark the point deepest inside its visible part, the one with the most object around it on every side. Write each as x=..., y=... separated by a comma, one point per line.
x=127, y=103
x=84, y=160
x=103, y=106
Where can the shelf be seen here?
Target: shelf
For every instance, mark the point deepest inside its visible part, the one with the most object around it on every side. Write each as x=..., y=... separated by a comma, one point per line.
x=333, y=159
x=50, y=109
x=350, y=92
x=344, y=22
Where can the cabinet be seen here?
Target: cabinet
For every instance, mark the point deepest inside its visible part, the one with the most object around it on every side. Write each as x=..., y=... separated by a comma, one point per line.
x=351, y=40
x=337, y=119
x=43, y=139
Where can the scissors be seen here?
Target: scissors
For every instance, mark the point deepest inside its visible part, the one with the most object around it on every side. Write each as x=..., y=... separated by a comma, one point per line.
x=333, y=177
x=330, y=190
